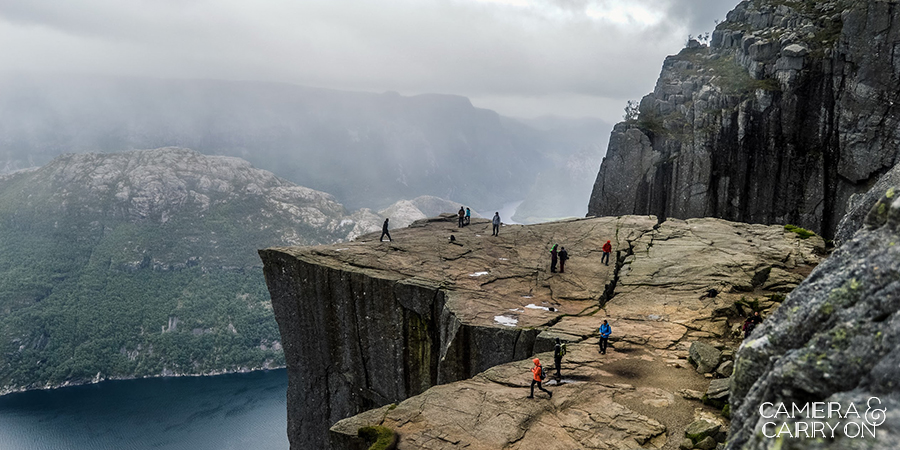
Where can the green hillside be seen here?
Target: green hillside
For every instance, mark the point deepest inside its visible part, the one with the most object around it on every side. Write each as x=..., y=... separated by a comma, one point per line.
x=144, y=263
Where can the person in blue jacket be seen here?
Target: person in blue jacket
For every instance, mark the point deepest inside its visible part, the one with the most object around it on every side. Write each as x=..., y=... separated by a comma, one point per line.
x=605, y=331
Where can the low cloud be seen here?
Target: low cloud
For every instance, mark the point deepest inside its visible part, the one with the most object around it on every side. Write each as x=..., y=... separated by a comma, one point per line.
x=513, y=51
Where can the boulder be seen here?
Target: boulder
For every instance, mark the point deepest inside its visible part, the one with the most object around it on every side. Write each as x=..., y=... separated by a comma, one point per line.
x=699, y=430
x=686, y=444
x=708, y=443
x=705, y=356
x=719, y=389
x=725, y=369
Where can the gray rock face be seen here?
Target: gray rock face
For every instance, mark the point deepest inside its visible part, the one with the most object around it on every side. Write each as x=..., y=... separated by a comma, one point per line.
x=789, y=112
x=835, y=339
x=705, y=356
x=860, y=205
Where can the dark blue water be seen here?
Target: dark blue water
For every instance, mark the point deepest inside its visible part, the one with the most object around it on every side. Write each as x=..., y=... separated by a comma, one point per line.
x=240, y=411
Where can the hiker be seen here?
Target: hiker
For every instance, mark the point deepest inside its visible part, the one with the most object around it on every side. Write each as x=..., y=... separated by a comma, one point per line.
x=751, y=323
x=538, y=375
x=559, y=350
x=563, y=257
x=553, y=257
x=607, y=249
x=462, y=216
x=384, y=232
x=496, y=222
x=468, y=216
x=605, y=331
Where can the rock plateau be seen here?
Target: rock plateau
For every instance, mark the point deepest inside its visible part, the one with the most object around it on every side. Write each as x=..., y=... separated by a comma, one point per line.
x=446, y=330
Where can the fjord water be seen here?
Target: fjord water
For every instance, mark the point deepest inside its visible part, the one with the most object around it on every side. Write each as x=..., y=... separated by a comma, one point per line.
x=225, y=412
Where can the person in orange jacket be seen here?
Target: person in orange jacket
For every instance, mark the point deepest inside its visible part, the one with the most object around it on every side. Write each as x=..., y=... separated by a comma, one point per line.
x=537, y=375
x=607, y=249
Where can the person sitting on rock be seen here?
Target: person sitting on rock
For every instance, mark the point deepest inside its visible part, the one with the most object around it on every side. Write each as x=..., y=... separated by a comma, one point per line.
x=468, y=216
x=751, y=323
x=605, y=331
x=559, y=350
x=607, y=249
x=537, y=375
x=462, y=216
x=384, y=232
x=553, y=257
x=563, y=257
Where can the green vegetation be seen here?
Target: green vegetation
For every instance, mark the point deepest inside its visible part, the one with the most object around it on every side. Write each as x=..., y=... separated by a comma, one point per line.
x=88, y=290
x=382, y=438
x=802, y=232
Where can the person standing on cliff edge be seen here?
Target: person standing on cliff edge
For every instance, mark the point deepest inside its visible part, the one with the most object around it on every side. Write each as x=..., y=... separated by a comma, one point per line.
x=384, y=232
x=462, y=217
x=553, y=258
x=605, y=331
x=563, y=257
x=607, y=249
x=537, y=375
x=496, y=222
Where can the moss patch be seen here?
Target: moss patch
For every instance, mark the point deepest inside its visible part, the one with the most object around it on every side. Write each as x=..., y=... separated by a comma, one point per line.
x=802, y=232
x=382, y=438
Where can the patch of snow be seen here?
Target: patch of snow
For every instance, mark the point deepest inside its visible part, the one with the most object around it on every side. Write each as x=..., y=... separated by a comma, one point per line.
x=504, y=259
x=506, y=321
x=526, y=296
x=517, y=310
x=477, y=274
x=533, y=306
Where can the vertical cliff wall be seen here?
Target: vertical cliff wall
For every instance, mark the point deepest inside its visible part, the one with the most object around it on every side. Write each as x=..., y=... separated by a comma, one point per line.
x=790, y=110
x=357, y=336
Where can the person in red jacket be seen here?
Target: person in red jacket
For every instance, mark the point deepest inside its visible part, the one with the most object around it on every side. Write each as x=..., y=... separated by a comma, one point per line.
x=607, y=249
x=537, y=375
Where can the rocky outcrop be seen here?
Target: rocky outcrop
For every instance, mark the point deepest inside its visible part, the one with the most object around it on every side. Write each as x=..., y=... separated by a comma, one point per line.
x=835, y=339
x=788, y=112
x=371, y=323
x=860, y=205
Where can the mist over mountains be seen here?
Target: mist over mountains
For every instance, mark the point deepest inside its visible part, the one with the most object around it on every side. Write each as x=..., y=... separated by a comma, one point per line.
x=368, y=150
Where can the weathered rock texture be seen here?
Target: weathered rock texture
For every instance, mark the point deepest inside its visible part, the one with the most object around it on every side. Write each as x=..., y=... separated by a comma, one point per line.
x=835, y=339
x=367, y=323
x=788, y=112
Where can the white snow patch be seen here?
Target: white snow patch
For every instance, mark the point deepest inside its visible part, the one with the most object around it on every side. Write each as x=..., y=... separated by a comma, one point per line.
x=506, y=321
x=341, y=249
x=517, y=310
x=477, y=274
x=526, y=296
x=533, y=306
x=504, y=259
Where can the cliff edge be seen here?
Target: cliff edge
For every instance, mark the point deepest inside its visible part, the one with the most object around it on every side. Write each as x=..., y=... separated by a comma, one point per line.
x=367, y=323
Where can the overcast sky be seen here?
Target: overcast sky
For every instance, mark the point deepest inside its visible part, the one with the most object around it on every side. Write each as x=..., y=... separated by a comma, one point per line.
x=520, y=57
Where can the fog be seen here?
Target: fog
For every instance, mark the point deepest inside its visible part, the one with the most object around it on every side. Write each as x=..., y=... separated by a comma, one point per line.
x=522, y=58
x=337, y=96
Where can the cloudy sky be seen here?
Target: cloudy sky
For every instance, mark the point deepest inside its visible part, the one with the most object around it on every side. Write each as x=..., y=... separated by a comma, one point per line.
x=520, y=57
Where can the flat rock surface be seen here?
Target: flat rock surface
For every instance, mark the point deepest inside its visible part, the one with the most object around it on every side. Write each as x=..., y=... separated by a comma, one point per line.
x=627, y=398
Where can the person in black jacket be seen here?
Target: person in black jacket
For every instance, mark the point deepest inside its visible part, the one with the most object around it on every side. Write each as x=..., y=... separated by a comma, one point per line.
x=563, y=257
x=557, y=359
x=384, y=232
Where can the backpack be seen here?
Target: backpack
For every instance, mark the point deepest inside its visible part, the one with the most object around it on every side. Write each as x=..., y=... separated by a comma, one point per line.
x=543, y=375
x=562, y=350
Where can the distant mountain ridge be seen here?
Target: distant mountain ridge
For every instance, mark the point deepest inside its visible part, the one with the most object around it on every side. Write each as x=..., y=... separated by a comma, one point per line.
x=144, y=263
x=369, y=150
